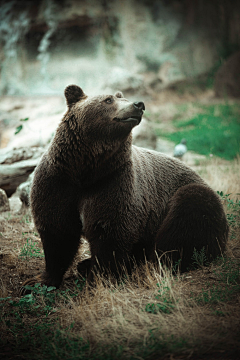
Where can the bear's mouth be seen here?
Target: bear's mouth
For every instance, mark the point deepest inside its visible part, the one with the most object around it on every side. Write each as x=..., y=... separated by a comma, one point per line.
x=135, y=119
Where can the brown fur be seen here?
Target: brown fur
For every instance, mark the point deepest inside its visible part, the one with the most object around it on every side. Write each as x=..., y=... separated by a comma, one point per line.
x=127, y=201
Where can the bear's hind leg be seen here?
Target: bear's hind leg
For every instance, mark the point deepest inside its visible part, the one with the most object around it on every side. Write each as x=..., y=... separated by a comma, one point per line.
x=195, y=220
x=108, y=258
x=84, y=267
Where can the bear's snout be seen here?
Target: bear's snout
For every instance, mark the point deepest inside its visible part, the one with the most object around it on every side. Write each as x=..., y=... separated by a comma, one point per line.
x=139, y=105
x=129, y=112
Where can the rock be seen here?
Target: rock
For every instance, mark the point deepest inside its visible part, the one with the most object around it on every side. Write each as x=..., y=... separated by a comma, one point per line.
x=124, y=80
x=144, y=136
x=227, y=78
x=23, y=190
x=15, y=166
x=16, y=205
x=136, y=35
x=11, y=176
x=10, y=156
x=4, y=202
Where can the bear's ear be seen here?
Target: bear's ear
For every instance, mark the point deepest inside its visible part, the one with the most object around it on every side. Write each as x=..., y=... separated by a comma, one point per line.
x=73, y=94
x=119, y=94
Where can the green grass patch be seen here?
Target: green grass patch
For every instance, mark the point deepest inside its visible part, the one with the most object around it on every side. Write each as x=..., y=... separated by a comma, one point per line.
x=228, y=275
x=165, y=302
x=31, y=249
x=233, y=216
x=228, y=271
x=214, y=131
x=216, y=294
x=233, y=213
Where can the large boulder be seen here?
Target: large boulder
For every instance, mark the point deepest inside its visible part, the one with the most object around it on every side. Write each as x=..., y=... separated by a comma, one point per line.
x=23, y=190
x=124, y=80
x=227, y=80
x=4, y=202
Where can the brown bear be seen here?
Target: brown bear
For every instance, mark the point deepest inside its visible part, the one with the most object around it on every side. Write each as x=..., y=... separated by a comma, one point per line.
x=128, y=202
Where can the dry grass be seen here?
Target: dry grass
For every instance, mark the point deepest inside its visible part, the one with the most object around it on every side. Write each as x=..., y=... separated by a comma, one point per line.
x=221, y=175
x=111, y=319
x=111, y=315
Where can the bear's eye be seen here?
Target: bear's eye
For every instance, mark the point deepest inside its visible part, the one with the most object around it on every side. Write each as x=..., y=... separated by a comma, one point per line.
x=109, y=100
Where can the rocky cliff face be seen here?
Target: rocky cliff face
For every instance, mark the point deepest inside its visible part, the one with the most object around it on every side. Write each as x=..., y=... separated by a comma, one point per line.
x=48, y=44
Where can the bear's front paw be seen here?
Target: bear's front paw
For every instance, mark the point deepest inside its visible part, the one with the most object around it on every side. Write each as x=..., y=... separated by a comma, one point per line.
x=30, y=282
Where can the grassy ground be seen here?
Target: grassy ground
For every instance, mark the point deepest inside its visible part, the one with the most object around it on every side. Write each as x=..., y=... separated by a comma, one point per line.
x=152, y=315
x=209, y=129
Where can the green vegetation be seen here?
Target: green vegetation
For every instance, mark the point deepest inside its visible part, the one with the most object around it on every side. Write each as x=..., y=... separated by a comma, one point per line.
x=228, y=276
x=217, y=294
x=20, y=127
x=234, y=207
x=41, y=333
x=228, y=272
x=26, y=218
x=31, y=249
x=199, y=258
x=165, y=302
x=233, y=213
x=42, y=299
x=215, y=130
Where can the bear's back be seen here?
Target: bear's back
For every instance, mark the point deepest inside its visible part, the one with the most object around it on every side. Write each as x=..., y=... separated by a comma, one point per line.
x=166, y=173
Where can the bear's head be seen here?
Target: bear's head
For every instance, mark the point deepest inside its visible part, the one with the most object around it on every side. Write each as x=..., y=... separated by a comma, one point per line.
x=103, y=117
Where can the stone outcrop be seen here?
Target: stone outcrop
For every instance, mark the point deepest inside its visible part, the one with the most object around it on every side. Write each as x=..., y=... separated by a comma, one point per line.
x=4, y=202
x=79, y=39
x=11, y=176
x=227, y=79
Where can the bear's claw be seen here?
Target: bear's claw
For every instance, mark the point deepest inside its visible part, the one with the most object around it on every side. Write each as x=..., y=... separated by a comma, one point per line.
x=30, y=282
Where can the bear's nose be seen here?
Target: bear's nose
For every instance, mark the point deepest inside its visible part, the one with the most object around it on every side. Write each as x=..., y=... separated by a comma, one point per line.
x=139, y=105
